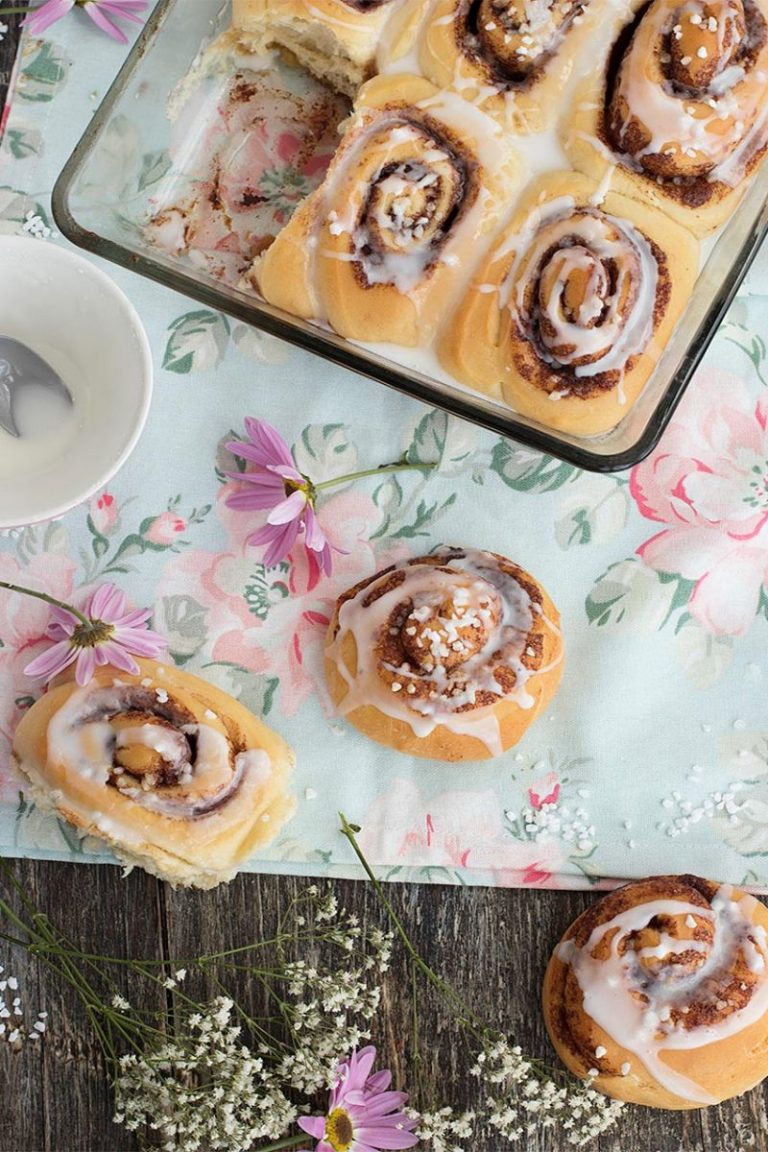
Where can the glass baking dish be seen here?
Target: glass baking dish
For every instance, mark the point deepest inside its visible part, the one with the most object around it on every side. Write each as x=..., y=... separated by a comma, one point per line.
x=92, y=209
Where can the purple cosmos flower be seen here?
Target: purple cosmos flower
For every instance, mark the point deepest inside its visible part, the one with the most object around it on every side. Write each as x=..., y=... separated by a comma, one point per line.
x=112, y=635
x=98, y=10
x=274, y=482
x=363, y=1116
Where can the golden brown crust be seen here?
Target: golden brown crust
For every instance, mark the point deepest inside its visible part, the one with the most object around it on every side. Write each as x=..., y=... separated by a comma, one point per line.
x=723, y=1068
x=542, y=650
x=501, y=339
x=493, y=55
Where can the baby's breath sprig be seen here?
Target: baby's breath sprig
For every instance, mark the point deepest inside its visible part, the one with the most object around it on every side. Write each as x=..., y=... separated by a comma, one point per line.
x=208, y=1075
x=526, y=1095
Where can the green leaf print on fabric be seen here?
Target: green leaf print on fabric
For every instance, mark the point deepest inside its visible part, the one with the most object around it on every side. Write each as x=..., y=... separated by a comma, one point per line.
x=595, y=509
x=527, y=471
x=44, y=70
x=23, y=142
x=630, y=595
x=444, y=439
x=325, y=450
x=198, y=341
x=16, y=208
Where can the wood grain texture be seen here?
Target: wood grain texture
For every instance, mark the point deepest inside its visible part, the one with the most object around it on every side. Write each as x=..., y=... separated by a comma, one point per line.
x=491, y=944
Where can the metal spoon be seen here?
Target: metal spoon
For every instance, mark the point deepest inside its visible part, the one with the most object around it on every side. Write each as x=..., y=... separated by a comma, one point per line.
x=19, y=365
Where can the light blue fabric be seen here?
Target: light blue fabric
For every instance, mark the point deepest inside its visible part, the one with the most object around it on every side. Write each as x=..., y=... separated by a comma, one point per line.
x=653, y=757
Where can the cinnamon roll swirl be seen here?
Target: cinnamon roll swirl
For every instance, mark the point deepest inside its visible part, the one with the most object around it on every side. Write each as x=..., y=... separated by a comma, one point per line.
x=569, y=314
x=681, y=109
x=450, y=656
x=172, y=773
x=336, y=40
x=513, y=58
x=661, y=989
x=419, y=178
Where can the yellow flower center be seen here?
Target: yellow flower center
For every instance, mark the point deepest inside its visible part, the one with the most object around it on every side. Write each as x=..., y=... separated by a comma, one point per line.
x=92, y=634
x=339, y=1131
x=307, y=487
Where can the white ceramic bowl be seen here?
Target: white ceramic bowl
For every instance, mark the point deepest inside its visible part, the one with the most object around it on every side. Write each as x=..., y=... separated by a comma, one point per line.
x=76, y=318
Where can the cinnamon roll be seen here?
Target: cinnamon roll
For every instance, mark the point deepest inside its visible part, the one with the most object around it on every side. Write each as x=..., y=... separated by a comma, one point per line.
x=172, y=773
x=569, y=314
x=336, y=40
x=419, y=178
x=450, y=656
x=660, y=989
x=512, y=58
x=681, y=110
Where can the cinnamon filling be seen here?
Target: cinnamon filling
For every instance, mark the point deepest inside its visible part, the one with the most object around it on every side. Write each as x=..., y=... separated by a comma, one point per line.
x=157, y=753
x=511, y=40
x=587, y=297
x=413, y=203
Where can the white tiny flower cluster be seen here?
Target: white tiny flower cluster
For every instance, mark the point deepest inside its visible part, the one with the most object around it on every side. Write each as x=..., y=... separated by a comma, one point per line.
x=203, y=1089
x=534, y=1101
x=13, y=1030
x=441, y=1129
x=3, y=30
x=330, y=1010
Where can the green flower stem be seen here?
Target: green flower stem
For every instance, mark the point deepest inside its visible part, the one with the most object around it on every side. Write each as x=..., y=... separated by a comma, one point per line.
x=287, y=1142
x=380, y=471
x=16, y=11
x=43, y=595
x=465, y=1015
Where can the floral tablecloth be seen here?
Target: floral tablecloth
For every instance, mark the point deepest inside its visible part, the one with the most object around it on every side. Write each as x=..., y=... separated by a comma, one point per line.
x=654, y=756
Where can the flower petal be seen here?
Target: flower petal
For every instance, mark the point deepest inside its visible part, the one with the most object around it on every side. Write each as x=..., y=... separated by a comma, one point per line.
x=255, y=499
x=49, y=663
x=139, y=641
x=125, y=9
x=385, y=1138
x=315, y=538
x=42, y=18
x=314, y=1125
x=279, y=538
x=118, y=657
x=106, y=25
x=85, y=666
x=106, y=603
x=267, y=437
x=289, y=509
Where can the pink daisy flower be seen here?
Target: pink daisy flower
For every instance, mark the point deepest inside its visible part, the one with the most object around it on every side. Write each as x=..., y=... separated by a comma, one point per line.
x=363, y=1115
x=273, y=482
x=99, y=11
x=110, y=635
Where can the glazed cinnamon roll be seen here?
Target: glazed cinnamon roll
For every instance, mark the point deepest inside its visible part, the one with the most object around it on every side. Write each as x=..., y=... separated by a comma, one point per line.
x=450, y=656
x=661, y=990
x=419, y=178
x=172, y=773
x=569, y=314
x=682, y=107
x=335, y=39
x=511, y=57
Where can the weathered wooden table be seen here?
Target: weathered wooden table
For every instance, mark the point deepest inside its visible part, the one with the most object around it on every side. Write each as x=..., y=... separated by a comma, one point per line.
x=492, y=944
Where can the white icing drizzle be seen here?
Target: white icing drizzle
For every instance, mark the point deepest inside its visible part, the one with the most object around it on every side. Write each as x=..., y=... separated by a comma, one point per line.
x=433, y=609
x=614, y=321
x=82, y=740
x=514, y=36
x=416, y=207
x=712, y=127
x=634, y=1004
